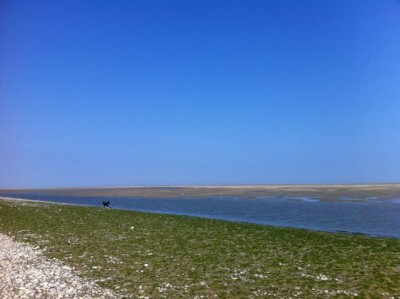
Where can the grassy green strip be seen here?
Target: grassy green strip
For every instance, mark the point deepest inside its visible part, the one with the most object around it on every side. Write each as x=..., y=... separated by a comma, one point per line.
x=164, y=256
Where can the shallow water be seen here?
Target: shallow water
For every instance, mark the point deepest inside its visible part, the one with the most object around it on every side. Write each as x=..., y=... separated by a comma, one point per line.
x=372, y=216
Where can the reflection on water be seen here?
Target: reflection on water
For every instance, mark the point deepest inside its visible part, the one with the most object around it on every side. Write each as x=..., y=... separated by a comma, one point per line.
x=372, y=216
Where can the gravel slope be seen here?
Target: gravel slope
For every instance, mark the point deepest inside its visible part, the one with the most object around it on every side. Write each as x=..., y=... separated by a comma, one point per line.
x=26, y=273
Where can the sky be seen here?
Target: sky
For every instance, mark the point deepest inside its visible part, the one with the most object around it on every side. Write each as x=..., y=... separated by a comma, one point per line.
x=138, y=93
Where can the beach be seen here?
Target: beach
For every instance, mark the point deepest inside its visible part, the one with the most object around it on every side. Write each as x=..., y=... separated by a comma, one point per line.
x=167, y=256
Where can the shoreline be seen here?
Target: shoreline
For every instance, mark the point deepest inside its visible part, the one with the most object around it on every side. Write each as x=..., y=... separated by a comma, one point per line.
x=168, y=256
x=13, y=199
x=344, y=232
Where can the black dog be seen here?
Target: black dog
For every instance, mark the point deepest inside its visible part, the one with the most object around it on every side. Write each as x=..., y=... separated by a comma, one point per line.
x=106, y=204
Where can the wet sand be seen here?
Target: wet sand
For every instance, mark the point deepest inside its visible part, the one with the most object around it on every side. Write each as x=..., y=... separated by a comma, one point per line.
x=322, y=192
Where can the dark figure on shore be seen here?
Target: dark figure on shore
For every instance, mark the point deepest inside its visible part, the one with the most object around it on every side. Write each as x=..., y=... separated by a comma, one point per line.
x=106, y=204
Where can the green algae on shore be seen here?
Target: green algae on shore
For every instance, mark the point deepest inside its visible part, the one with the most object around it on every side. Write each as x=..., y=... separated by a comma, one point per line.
x=166, y=256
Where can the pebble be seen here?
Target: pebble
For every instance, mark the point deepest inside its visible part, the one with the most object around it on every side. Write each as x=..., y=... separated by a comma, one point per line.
x=26, y=273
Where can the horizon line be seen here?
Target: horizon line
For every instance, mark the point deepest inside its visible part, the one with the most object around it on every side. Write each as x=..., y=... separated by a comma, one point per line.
x=202, y=185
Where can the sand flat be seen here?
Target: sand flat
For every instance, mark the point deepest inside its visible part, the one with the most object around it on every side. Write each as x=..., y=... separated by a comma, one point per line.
x=324, y=192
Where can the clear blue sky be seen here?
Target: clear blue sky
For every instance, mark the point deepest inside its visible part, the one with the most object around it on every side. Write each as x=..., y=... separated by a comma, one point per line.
x=97, y=93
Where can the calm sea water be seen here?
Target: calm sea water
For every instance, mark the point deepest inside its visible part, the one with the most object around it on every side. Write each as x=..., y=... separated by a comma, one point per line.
x=370, y=216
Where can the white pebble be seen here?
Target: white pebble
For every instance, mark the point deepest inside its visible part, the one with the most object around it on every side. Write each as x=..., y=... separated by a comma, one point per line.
x=27, y=273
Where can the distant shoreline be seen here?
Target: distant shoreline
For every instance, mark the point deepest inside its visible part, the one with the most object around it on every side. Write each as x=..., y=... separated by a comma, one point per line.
x=208, y=186
x=322, y=192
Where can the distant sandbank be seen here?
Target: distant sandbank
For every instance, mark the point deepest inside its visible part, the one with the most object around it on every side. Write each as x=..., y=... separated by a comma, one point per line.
x=323, y=192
